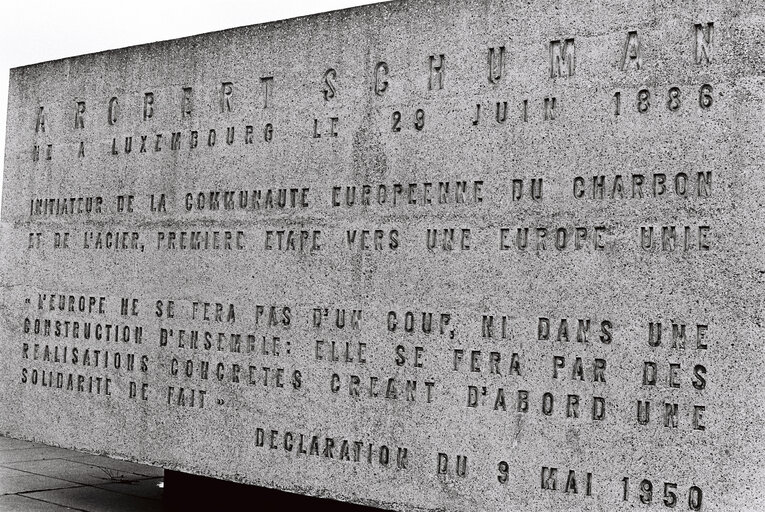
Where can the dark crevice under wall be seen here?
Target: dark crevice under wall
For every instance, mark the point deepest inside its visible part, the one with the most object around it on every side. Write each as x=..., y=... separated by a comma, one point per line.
x=188, y=493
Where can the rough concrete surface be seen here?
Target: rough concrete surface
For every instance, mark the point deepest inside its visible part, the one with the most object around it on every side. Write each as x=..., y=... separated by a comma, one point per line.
x=422, y=255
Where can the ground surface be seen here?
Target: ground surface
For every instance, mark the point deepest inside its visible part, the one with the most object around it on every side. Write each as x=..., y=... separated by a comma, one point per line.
x=39, y=478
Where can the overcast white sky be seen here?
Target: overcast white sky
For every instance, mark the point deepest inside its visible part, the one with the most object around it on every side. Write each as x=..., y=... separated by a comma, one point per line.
x=34, y=31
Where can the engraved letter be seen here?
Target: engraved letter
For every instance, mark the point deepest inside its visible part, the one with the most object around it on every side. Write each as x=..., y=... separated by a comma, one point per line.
x=698, y=413
x=549, y=481
x=670, y=415
x=186, y=106
x=496, y=64
x=704, y=43
x=643, y=412
x=436, y=72
x=113, y=111
x=267, y=81
x=632, y=57
x=329, y=85
x=501, y=112
x=148, y=106
x=381, y=71
x=226, y=91
x=79, y=115
x=40, y=126
x=562, y=58
x=550, y=108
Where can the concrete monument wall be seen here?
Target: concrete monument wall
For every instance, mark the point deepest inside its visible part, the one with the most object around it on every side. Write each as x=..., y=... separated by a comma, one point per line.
x=422, y=255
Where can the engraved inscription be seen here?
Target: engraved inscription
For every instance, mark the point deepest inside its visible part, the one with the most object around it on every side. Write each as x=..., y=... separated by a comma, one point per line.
x=226, y=94
x=516, y=296
x=496, y=64
x=330, y=88
x=79, y=115
x=437, y=71
x=562, y=58
x=381, y=83
x=704, y=39
x=632, y=57
x=148, y=106
x=187, y=106
x=40, y=124
x=113, y=111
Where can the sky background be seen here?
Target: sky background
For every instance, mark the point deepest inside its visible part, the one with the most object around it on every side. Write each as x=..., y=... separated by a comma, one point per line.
x=40, y=30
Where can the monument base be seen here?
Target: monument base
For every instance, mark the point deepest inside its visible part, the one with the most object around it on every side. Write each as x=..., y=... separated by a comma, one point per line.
x=184, y=492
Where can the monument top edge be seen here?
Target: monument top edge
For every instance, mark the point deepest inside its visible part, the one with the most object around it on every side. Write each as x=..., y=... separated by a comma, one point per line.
x=564, y=11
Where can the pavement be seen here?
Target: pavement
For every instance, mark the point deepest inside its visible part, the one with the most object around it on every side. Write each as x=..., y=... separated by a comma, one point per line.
x=40, y=478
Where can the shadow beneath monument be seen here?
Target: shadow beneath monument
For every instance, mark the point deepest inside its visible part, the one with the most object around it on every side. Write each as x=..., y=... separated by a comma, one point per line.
x=187, y=493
